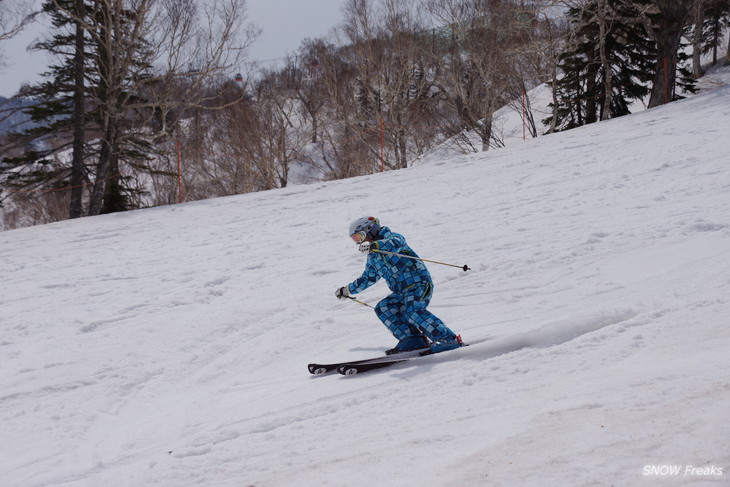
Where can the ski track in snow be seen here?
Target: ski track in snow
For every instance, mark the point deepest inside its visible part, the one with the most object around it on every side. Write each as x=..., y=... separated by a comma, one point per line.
x=169, y=346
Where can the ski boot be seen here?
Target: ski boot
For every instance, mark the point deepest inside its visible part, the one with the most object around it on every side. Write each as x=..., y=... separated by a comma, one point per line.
x=409, y=343
x=448, y=343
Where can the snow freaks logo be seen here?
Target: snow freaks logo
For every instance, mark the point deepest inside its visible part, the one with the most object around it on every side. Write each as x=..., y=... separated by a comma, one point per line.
x=682, y=470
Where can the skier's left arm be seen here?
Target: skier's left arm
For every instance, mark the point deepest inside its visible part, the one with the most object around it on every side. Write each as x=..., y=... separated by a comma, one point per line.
x=369, y=277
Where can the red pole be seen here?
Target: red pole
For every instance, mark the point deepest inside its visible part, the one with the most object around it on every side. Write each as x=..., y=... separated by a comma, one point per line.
x=382, y=148
x=179, y=175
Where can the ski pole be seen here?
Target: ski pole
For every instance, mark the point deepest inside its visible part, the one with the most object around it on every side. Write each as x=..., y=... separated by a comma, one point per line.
x=359, y=302
x=463, y=267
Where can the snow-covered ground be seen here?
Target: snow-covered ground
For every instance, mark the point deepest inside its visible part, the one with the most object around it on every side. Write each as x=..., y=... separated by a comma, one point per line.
x=169, y=346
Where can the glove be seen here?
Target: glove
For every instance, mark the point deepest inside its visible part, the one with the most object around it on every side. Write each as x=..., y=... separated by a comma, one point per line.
x=364, y=247
x=342, y=293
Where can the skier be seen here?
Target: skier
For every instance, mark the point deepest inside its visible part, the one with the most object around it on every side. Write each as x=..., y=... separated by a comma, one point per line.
x=404, y=312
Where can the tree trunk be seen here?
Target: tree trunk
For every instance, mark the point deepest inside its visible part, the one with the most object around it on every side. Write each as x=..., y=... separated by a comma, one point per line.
x=114, y=199
x=314, y=127
x=662, y=90
x=591, y=115
x=699, y=17
x=673, y=16
x=402, y=149
x=103, y=169
x=554, y=92
x=716, y=40
x=79, y=119
x=605, y=64
x=485, y=132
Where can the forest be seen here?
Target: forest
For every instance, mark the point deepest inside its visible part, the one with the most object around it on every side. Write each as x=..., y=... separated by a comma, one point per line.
x=154, y=102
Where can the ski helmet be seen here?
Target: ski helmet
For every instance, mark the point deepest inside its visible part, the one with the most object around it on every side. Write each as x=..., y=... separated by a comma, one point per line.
x=364, y=227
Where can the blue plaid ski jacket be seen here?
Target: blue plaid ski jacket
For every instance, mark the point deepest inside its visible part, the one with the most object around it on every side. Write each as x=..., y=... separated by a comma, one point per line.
x=400, y=273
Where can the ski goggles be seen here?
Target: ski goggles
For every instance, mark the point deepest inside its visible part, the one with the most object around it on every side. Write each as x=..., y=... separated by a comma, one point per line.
x=359, y=237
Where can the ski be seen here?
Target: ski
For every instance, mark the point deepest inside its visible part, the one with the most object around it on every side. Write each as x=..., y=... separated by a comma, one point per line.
x=353, y=368
x=359, y=368
x=320, y=369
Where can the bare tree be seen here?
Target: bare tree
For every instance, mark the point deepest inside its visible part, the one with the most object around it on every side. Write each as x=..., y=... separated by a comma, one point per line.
x=407, y=90
x=552, y=41
x=302, y=76
x=142, y=49
x=361, y=32
x=282, y=131
x=484, y=39
x=255, y=143
x=345, y=150
x=165, y=32
x=130, y=71
x=393, y=76
x=15, y=15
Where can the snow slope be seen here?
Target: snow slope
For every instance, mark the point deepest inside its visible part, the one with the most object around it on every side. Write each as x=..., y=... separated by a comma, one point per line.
x=169, y=346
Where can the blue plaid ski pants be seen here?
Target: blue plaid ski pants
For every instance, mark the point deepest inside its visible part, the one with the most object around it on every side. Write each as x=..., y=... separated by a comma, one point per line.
x=404, y=314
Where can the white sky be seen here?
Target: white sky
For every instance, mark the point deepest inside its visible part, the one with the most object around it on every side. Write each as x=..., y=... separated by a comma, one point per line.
x=285, y=24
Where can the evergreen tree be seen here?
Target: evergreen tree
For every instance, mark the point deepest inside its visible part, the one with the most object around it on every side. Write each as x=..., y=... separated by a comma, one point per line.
x=716, y=20
x=57, y=109
x=94, y=88
x=629, y=55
